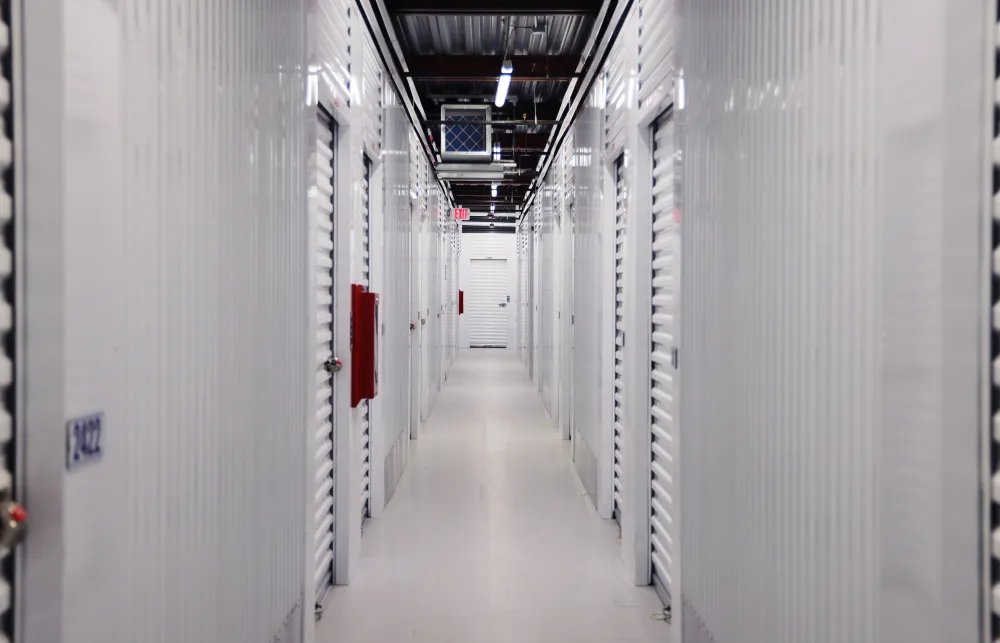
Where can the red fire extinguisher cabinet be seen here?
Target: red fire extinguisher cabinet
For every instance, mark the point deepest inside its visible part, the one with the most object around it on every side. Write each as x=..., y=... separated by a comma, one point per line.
x=364, y=344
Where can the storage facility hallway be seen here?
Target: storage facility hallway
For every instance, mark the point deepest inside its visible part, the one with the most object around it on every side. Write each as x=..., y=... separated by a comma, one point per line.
x=490, y=536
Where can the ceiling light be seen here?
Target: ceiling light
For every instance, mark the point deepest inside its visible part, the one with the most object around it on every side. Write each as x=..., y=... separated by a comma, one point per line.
x=504, y=83
x=493, y=190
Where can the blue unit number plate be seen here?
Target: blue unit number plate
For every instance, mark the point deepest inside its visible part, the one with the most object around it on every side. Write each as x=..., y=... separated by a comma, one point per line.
x=84, y=440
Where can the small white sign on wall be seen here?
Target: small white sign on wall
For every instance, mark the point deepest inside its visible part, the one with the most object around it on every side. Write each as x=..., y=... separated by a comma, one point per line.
x=84, y=440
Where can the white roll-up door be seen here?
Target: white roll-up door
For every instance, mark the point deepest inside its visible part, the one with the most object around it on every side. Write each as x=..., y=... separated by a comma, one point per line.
x=619, y=393
x=366, y=281
x=663, y=362
x=321, y=205
x=487, y=303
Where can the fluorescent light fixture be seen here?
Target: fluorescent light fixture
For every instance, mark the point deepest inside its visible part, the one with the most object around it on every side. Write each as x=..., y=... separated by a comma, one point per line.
x=493, y=190
x=504, y=83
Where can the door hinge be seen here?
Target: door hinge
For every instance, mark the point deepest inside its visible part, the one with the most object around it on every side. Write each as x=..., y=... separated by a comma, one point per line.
x=675, y=357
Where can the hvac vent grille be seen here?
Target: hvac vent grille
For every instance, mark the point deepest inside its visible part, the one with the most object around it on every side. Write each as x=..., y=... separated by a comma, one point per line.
x=465, y=131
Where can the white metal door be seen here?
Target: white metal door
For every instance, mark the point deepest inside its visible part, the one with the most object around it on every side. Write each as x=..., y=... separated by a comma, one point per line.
x=488, y=303
x=663, y=360
x=366, y=280
x=321, y=206
x=616, y=508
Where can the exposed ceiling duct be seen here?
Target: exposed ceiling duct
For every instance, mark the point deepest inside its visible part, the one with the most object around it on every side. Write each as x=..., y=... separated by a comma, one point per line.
x=452, y=54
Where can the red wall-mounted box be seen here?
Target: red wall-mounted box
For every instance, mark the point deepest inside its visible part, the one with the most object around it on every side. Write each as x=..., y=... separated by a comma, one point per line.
x=461, y=302
x=364, y=344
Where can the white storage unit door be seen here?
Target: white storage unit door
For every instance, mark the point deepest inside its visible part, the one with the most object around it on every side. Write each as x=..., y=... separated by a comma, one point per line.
x=663, y=362
x=488, y=303
x=620, y=196
x=321, y=204
x=366, y=281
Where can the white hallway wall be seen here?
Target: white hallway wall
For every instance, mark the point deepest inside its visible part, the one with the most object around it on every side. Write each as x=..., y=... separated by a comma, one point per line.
x=186, y=313
x=496, y=246
x=851, y=370
x=186, y=320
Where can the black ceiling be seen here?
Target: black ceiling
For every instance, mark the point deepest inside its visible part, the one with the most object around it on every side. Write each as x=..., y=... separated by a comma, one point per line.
x=453, y=50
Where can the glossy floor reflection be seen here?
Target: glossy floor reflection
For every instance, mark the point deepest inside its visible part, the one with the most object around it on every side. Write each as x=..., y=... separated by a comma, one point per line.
x=490, y=537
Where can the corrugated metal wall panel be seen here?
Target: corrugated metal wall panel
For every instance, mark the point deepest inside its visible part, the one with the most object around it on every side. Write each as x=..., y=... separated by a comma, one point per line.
x=394, y=384
x=188, y=318
x=833, y=266
x=330, y=30
x=371, y=88
x=780, y=275
x=538, y=276
x=522, y=291
x=546, y=298
x=433, y=282
x=656, y=51
x=617, y=81
x=588, y=293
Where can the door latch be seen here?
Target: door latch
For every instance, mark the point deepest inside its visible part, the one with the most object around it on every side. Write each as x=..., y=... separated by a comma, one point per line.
x=13, y=524
x=333, y=365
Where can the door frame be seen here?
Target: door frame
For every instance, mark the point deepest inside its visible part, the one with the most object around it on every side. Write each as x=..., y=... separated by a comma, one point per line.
x=323, y=118
x=37, y=52
x=506, y=309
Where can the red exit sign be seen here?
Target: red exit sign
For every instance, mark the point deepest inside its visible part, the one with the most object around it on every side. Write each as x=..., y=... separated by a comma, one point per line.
x=461, y=214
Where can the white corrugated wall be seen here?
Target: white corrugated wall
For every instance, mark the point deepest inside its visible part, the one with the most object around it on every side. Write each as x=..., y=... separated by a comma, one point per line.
x=392, y=408
x=833, y=193
x=186, y=309
x=591, y=274
x=565, y=323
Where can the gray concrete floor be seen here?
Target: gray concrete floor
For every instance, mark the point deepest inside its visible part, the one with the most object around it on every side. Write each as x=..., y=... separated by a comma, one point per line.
x=490, y=537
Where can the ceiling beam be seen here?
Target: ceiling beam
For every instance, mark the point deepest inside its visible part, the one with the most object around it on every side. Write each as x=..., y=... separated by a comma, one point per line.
x=516, y=78
x=495, y=7
x=486, y=203
x=504, y=183
x=502, y=188
x=498, y=123
x=487, y=68
x=520, y=140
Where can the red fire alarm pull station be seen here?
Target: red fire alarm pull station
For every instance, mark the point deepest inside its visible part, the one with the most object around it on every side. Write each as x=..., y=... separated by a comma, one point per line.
x=364, y=344
x=461, y=302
